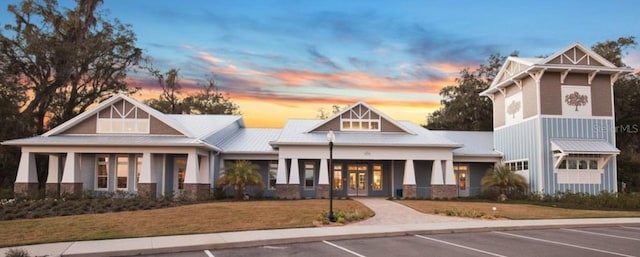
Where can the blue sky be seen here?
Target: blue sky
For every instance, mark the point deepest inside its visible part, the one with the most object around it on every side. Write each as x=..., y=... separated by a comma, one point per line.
x=280, y=59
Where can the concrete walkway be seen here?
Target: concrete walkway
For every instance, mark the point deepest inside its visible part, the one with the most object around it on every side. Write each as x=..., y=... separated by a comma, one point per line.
x=392, y=213
x=387, y=222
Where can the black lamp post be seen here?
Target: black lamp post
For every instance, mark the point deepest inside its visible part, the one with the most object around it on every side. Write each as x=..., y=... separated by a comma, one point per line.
x=332, y=138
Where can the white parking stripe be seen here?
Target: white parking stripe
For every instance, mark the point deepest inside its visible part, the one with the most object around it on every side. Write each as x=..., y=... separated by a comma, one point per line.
x=565, y=244
x=208, y=253
x=637, y=228
x=342, y=248
x=601, y=234
x=461, y=246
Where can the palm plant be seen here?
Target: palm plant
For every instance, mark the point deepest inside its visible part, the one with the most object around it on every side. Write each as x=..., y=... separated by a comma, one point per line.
x=503, y=178
x=239, y=175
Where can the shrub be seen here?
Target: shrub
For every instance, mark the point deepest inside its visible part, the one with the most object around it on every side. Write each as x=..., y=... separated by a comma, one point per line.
x=17, y=252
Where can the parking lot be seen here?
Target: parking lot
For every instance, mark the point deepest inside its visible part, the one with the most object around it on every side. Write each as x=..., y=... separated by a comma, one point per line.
x=592, y=241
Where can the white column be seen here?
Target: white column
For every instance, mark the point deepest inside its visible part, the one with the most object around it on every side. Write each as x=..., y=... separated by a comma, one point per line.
x=71, y=173
x=436, y=173
x=409, y=173
x=294, y=176
x=204, y=169
x=146, y=174
x=193, y=171
x=27, y=172
x=449, y=176
x=324, y=173
x=212, y=169
x=281, y=176
x=54, y=169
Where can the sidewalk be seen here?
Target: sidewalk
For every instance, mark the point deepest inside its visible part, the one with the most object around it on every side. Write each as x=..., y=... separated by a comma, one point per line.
x=414, y=223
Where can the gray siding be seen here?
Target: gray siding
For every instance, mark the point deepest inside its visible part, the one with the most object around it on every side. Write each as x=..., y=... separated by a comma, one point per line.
x=520, y=141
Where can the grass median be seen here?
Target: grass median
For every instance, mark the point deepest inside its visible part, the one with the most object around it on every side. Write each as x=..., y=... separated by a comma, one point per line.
x=514, y=211
x=188, y=219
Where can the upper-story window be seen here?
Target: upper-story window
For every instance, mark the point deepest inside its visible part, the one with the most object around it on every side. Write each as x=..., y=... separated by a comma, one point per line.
x=360, y=118
x=123, y=117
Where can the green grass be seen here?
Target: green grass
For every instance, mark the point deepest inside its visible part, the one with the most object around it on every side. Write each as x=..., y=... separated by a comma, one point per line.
x=188, y=219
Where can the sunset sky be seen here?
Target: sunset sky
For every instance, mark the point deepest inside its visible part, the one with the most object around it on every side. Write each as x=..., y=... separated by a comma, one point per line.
x=287, y=59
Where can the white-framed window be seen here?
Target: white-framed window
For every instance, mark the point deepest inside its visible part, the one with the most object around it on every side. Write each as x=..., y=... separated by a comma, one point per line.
x=102, y=172
x=575, y=163
x=360, y=118
x=138, y=171
x=273, y=175
x=520, y=167
x=309, y=175
x=337, y=176
x=122, y=172
x=377, y=177
x=579, y=169
x=461, y=171
x=122, y=117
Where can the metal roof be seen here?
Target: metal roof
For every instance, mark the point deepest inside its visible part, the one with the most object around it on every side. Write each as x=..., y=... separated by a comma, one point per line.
x=202, y=126
x=295, y=133
x=251, y=140
x=583, y=146
x=108, y=140
x=475, y=143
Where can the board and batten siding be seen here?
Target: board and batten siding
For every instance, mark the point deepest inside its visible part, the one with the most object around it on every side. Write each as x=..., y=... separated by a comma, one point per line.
x=518, y=142
x=583, y=129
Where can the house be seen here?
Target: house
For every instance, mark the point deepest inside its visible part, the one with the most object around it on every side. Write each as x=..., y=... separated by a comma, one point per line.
x=553, y=123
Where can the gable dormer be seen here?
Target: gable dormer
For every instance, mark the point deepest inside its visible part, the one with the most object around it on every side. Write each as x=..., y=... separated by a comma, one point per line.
x=360, y=117
x=119, y=115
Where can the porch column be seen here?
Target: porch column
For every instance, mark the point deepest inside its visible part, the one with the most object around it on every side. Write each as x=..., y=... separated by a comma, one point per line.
x=53, y=178
x=290, y=190
x=322, y=190
x=194, y=187
x=294, y=175
x=409, y=187
x=442, y=181
x=71, y=181
x=27, y=177
x=281, y=176
x=147, y=185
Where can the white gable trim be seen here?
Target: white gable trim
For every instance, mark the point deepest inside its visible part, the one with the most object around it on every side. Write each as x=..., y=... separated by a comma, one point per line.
x=586, y=50
x=83, y=116
x=376, y=111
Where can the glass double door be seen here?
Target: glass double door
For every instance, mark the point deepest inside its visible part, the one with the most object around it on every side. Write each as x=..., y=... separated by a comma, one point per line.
x=357, y=179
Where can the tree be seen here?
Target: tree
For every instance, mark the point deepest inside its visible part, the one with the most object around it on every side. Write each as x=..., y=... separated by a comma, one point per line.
x=209, y=100
x=462, y=107
x=503, y=179
x=64, y=60
x=335, y=109
x=239, y=175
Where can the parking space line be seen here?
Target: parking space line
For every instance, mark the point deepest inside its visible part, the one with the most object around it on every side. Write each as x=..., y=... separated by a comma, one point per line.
x=208, y=253
x=460, y=246
x=601, y=234
x=636, y=228
x=565, y=244
x=342, y=248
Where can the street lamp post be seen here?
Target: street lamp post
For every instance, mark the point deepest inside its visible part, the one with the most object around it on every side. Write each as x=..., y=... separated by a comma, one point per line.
x=332, y=138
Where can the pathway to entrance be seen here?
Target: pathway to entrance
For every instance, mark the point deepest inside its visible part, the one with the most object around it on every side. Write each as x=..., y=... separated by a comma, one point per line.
x=389, y=212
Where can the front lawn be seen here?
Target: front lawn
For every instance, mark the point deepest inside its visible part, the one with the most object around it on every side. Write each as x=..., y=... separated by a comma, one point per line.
x=188, y=219
x=512, y=210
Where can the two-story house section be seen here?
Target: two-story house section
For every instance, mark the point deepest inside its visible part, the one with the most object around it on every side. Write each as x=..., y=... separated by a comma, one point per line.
x=553, y=120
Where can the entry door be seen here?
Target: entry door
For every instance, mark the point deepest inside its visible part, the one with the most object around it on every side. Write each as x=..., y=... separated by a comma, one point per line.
x=462, y=179
x=357, y=179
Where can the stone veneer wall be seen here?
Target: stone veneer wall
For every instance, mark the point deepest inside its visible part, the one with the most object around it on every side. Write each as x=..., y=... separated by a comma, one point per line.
x=147, y=189
x=409, y=191
x=197, y=191
x=288, y=191
x=52, y=189
x=30, y=189
x=322, y=191
x=443, y=191
x=71, y=188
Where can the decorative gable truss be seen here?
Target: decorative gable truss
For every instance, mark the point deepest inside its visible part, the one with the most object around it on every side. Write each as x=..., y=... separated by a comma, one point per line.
x=510, y=69
x=361, y=117
x=122, y=117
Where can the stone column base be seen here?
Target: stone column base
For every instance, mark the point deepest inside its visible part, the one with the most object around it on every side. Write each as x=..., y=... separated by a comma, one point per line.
x=409, y=191
x=287, y=191
x=71, y=188
x=444, y=191
x=322, y=191
x=52, y=189
x=29, y=189
x=197, y=191
x=147, y=189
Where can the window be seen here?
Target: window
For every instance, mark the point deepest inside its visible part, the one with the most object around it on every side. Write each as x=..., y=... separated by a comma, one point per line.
x=181, y=173
x=578, y=169
x=573, y=163
x=309, y=170
x=337, y=177
x=360, y=118
x=138, y=170
x=377, y=177
x=461, y=173
x=122, y=117
x=122, y=172
x=521, y=165
x=273, y=175
x=102, y=173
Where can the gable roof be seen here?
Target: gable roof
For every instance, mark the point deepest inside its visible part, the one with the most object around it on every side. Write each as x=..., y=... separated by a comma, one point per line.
x=105, y=104
x=361, y=103
x=515, y=68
